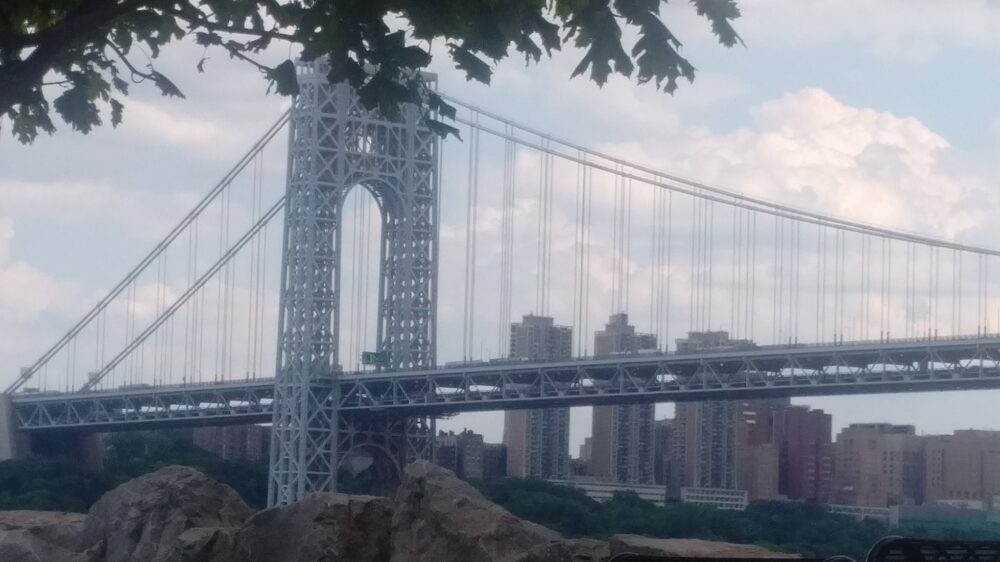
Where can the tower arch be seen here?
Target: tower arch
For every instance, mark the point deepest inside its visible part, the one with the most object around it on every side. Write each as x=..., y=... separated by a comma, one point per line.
x=334, y=145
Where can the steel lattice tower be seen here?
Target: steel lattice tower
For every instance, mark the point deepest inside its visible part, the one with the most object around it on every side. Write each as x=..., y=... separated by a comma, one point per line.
x=335, y=144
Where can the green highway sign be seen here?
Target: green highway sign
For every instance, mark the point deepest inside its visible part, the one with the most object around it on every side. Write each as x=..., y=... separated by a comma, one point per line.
x=374, y=358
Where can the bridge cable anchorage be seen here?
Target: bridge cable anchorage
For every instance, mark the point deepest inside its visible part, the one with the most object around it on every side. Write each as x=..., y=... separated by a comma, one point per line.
x=184, y=297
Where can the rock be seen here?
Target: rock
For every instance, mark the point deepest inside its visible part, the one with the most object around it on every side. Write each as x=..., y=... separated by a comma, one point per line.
x=693, y=548
x=202, y=544
x=42, y=536
x=570, y=550
x=439, y=517
x=321, y=527
x=141, y=519
x=55, y=527
x=23, y=546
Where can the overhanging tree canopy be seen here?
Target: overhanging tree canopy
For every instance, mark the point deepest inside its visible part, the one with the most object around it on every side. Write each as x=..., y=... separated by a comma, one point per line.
x=80, y=57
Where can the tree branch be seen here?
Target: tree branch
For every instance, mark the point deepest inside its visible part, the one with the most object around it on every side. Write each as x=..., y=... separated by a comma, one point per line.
x=121, y=56
x=215, y=26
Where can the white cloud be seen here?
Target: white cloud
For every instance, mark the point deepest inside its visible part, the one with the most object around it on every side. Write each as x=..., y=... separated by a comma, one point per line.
x=6, y=235
x=25, y=292
x=83, y=202
x=809, y=150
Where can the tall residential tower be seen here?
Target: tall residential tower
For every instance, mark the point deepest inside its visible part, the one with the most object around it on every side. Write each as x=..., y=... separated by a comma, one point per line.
x=623, y=440
x=538, y=440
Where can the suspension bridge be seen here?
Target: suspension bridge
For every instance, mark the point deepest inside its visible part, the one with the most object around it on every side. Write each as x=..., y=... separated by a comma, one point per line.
x=287, y=296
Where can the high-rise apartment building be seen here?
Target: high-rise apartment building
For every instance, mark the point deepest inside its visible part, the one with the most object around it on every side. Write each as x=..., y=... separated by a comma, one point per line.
x=706, y=435
x=538, y=440
x=786, y=451
x=494, y=460
x=705, y=446
x=623, y=444
x=663, y=434
x=878, y=465
x=963, y=468
x=806, y=449
x=461, y=453
x=769, y=448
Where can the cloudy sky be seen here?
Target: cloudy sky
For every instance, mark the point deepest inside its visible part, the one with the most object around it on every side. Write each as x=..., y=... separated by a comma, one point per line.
x=884, y=112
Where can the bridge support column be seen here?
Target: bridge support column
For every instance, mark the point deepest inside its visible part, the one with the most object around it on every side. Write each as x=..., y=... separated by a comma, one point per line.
x=14, y=443
x=336, y=145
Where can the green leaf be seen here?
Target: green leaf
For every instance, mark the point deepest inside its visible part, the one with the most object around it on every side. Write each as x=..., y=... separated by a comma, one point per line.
x=474, y=67
x=116, y=112
x=720, y=13
x=167, y=88
x=284, y=80
x=207, y=39
x=77, y=108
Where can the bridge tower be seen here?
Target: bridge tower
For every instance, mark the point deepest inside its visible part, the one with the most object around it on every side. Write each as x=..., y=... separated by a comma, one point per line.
x=335, y=145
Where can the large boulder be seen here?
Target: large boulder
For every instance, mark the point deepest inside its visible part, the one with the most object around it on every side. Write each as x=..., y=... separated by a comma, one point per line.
x=202, y=544
x=42, y=536
x=55, y=527
x=141, y=519
x=321, y=527
x=570, y=550
x=439, y=517
x=691, y=548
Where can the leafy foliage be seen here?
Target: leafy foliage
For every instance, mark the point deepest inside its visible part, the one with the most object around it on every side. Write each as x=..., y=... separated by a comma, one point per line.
x=787, y=526
x=52, y=483
x=75, y=56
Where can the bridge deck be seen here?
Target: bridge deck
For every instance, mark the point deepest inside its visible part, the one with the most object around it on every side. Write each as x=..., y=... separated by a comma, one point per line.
x=875, y=367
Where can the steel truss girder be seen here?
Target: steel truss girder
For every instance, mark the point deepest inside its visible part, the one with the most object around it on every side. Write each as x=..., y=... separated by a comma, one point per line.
x=793, y=371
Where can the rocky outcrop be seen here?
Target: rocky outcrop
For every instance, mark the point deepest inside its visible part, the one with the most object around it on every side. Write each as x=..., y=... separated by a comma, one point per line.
x=179, y=515
x=140, y=520
x=691, y=548
x=439, y=517
x=43, y=536
x=320, y=527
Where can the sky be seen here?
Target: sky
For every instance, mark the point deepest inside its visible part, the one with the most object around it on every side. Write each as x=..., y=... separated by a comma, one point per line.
x=884, y=112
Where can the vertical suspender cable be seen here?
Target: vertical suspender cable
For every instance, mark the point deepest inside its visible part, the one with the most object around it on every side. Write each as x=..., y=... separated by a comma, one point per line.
x=589, y=228
x=710, y=258
x=628, y=246
x=733, y=306
x=692, y=303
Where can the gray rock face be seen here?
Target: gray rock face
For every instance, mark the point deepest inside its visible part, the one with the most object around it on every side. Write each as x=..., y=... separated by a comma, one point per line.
x=439, y=517
x=179, y=515
x=320, y=527
x=141, y=520
x=201, y=544
x=42, y=536
x=693, y=548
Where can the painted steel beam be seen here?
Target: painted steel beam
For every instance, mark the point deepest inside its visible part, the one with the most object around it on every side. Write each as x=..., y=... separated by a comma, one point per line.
x=912, y=366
